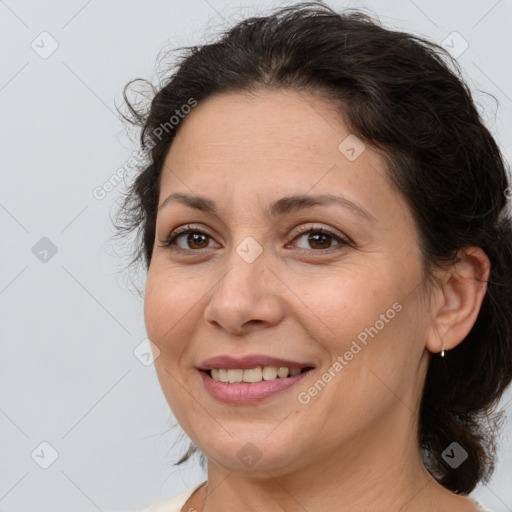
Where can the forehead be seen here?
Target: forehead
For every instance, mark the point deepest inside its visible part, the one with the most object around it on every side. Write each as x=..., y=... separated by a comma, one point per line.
x=285, y=122
x=270, y=144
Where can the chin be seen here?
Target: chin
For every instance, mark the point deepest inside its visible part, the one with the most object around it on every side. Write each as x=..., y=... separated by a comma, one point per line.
x=251, y=454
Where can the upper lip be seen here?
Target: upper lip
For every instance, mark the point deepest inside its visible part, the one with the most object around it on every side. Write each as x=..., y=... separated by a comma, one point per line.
x=228, y=362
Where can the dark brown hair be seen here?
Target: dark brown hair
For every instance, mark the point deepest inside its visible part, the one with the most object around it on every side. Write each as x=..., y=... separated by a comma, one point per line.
x=399, y=94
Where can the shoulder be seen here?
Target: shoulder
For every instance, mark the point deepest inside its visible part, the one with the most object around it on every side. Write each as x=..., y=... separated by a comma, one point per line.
x=173, y=504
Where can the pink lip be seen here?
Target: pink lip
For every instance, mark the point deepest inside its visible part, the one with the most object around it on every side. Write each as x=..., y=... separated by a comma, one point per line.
x=228, y=362
x=247, y=393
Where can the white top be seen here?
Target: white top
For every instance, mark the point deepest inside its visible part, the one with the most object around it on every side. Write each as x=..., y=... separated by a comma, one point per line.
x=176, y=503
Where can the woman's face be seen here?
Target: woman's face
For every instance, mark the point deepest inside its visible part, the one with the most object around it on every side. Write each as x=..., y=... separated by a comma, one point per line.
x=264, y=285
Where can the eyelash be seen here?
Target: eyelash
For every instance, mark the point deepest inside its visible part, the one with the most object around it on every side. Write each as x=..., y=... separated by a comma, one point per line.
x=342, y=242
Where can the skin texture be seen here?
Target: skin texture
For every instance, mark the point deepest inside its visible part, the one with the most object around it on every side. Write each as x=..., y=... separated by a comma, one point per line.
x=352, y=446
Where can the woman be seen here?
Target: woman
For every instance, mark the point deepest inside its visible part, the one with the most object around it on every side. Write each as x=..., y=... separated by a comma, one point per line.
x=323, y=221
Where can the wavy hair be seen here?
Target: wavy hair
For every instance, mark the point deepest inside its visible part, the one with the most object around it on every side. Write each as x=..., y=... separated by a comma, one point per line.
x=406, y=97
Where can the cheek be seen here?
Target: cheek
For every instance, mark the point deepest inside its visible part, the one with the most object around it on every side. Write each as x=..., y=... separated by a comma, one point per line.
x=155, y=304
x=169, y=320
x=167, y=306
x=367, y=315
x=338, y=309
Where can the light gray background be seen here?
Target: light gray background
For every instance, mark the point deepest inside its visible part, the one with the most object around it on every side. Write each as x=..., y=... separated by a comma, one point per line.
x=70, y=325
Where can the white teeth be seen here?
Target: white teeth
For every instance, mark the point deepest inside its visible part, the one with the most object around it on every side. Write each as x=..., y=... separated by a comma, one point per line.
x=235, y=376
x=253, y=374
x=282, y=372
x=269, y=373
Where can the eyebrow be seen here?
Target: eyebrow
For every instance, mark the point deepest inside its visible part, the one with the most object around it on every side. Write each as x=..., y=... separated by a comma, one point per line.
x=278, y=208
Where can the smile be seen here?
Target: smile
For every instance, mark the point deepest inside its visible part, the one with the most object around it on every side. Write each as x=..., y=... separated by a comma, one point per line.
x=250, y=379
x=240, y=392
x=258, y=374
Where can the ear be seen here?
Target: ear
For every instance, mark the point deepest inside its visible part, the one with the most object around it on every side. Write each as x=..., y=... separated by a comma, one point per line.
x=456, y=302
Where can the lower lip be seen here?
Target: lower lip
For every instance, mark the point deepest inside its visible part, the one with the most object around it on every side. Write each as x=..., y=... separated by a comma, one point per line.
x=248, y=393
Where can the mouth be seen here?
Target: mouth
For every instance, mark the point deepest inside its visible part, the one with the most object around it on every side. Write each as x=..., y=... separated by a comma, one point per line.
x=251, y=379
x=253, y=375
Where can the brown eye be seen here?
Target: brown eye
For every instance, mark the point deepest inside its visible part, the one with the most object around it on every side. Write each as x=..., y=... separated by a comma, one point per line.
x=196, y=238
x=320, y=239
x=194, y=241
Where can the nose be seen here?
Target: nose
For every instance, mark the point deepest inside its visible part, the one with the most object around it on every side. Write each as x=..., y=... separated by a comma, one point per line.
x=246, y=296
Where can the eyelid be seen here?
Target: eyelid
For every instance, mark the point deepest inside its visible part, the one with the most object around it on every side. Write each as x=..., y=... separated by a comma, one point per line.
x=342, y=239
x=304, y=228
x=175, y=233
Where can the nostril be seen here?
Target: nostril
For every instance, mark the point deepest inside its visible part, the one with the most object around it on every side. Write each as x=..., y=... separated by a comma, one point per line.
x=251, y=322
